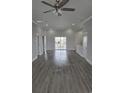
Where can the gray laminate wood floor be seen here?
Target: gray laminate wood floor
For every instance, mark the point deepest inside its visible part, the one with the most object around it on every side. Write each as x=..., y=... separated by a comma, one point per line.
x=61, y=72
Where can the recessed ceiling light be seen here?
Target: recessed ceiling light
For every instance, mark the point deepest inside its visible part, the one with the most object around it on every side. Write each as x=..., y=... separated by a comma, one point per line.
x=39, y=21
x=46, y=24
x=73, y=24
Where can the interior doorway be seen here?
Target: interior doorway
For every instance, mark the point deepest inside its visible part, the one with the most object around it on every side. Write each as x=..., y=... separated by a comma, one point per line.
x=44, y=44
x=60, y=42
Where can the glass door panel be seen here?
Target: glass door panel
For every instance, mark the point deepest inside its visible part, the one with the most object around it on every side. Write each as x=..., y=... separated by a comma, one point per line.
x=60, y=42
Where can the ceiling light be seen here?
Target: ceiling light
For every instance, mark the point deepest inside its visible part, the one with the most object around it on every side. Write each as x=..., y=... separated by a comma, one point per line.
x=39, y=21
x=46, y=24
x=73, y=24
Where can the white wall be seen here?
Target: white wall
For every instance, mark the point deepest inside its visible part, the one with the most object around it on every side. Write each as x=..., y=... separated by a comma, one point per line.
x=88, y=27
x=80, y=49
x=79, y=42
x=36, y=33
x=69, y=34
x=74, y=40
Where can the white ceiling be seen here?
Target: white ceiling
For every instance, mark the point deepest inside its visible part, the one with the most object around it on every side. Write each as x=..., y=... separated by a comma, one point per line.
x=83, y=11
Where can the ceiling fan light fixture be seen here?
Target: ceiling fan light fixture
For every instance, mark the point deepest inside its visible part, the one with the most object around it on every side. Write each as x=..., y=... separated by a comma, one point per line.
x=54, y=11
x=59, y=12
x=58, y=7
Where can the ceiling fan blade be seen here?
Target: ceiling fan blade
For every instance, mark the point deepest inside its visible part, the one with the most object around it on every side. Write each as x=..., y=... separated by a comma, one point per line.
x=48, y=4
x=63, y=2
x=68, y=9
x=49, y=11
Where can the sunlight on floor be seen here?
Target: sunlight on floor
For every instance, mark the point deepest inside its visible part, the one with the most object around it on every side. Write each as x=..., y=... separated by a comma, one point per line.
x=61, y=57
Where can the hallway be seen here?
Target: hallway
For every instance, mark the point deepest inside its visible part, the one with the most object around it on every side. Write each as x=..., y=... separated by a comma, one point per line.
x=61, y=71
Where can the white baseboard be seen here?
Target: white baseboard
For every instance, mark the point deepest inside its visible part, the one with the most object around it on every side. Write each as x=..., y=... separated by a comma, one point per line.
x=89, y=61
x=34, y=59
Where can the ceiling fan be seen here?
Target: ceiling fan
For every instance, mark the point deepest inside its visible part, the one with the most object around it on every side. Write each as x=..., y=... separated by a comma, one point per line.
x=58, y=7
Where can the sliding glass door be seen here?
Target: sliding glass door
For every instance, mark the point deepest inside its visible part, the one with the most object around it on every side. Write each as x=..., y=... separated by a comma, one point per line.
x=60, y=42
